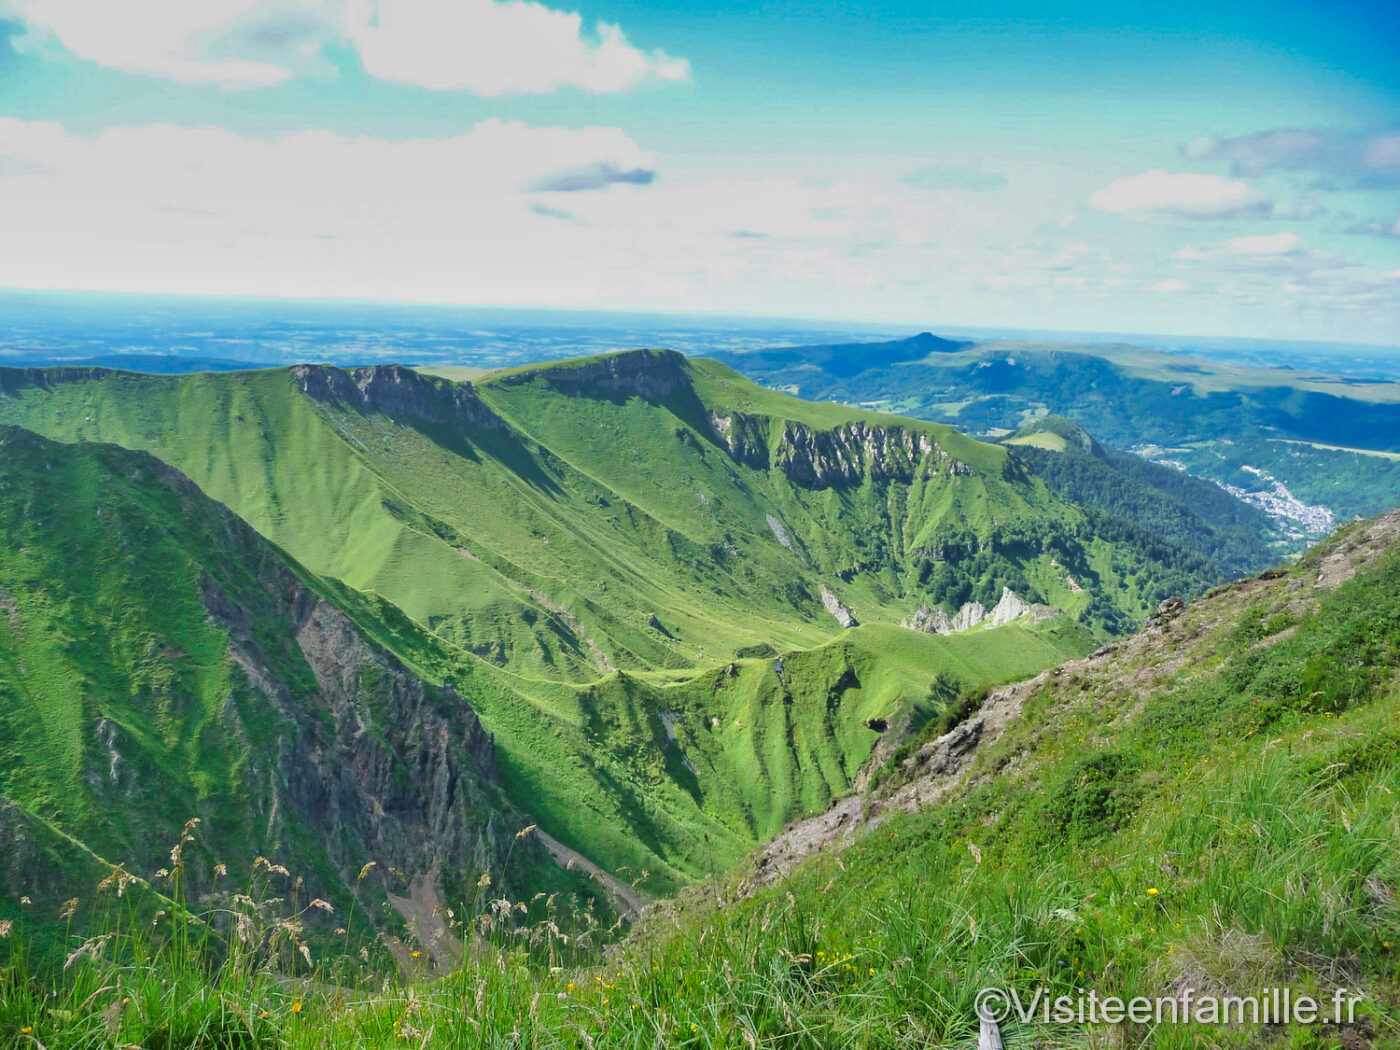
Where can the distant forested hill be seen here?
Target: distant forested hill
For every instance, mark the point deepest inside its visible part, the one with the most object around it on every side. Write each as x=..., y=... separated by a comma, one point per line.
x=1306, y=447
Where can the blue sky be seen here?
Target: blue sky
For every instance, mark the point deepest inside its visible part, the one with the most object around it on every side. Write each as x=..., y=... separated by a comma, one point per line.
x=1229, y=169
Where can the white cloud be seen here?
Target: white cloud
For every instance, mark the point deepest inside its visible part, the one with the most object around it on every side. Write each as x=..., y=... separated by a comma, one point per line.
x=487, y=47
x=505, y=214
x=1160, y=194
x=1169, y=287
x=310, y=213
x=509, y=214
x=1261, y=244
x=497, y=48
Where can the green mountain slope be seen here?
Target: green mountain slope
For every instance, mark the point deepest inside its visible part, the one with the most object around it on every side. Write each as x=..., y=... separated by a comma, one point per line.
x=160, y=661
x=594, y=555
x=1202, y=811
x=1167, y=503
x=513, y=519
x=1330, y=441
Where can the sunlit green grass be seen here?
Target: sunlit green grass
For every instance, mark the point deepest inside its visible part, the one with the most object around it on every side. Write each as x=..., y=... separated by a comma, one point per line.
x=1230, y=829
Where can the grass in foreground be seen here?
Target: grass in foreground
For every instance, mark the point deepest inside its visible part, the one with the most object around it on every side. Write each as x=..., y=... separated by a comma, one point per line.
x=1230, y=827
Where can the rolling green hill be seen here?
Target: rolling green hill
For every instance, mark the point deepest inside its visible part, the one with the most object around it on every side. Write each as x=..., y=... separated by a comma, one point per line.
x=160, y=661
x=543, y=518
x=634, y=569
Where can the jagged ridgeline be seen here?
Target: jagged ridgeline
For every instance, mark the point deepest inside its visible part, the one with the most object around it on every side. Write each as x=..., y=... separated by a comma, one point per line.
x=671, y=596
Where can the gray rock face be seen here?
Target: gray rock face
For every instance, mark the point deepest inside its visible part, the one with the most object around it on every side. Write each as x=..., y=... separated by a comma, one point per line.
x=834, y=606
x=969, y=616
x=1009, y=608
x=375, y=763
x=820, y=459
x=398, y=392
x=942, y=756
x=779, y=533
x=742, y=437
x=930, y=621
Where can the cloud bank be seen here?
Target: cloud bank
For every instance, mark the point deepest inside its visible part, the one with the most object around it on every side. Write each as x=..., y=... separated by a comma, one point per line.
x=1339, y=157
x=1160, y=194
x=485, y=47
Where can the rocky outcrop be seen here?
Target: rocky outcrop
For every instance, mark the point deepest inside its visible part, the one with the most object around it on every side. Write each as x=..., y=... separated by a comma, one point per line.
x=398, y=392
x=779, y=531
x=844, y=455
x=929, y=620
x=840, y=612
x=857, y=450
x=969, y=616
x=641, y=373
x=375, y=763
x=742, y=436
x=1009, y=608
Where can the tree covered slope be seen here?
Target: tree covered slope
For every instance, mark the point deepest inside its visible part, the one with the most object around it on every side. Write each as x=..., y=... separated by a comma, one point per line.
x=1164, y=502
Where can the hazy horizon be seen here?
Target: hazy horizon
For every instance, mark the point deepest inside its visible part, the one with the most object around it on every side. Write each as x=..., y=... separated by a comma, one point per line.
x=1052, y=166
x=141, y=331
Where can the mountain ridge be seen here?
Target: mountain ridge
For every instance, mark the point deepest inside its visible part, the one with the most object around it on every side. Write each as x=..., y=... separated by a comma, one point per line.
x=503, y=542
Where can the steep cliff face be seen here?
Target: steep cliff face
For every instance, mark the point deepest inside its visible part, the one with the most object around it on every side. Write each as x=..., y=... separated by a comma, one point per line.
x=1009, y=608
x=844, y=455
x=855, y=450
x=399, y=393
x=742, y=436
x=160, y=661
x=385, y=766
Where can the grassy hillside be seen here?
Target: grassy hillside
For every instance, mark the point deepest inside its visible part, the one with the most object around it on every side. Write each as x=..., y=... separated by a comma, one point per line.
x=1330, y=440
x=511, y=517
x=652, y=649
x=1209, y=805
x=1167, y=503
x=160, y=661
x=594, y=762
